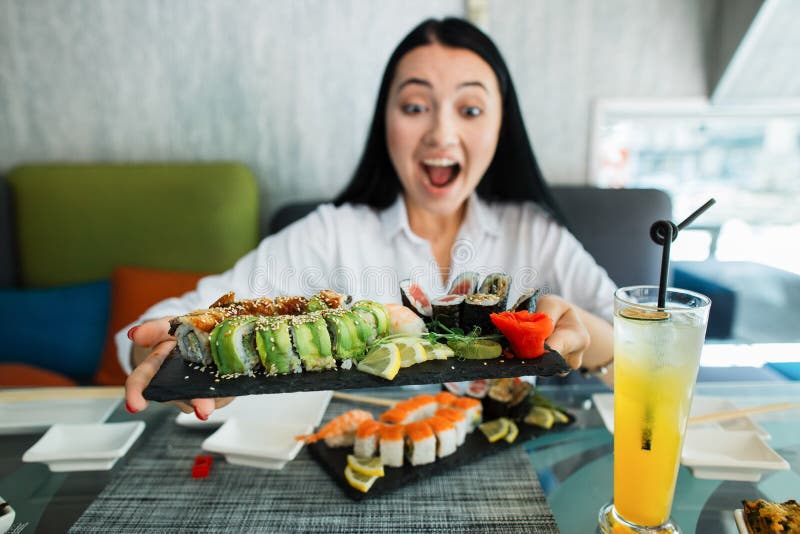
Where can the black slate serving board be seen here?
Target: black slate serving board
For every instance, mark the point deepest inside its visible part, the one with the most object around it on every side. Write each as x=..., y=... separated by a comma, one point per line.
x=179, y=380
x=475, y=447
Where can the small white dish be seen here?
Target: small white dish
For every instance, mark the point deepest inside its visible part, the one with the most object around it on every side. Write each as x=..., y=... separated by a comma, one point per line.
x=30, y=417
x=6, y=519
x=716, y=454
x=741, y=524
x=256, y=444
x=306, y=408
x=700, y=406
x=86, y=447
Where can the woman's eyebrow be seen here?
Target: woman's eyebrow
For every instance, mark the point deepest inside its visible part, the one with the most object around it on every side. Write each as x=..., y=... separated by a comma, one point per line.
x=418, y=81
x=473, y=84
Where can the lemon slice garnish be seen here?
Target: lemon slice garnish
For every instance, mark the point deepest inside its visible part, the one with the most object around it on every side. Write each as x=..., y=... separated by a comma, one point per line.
x=370, y=467
x=383, y=360
x=359, y=481
x=644, y=315
x=411, y=351
x=560, y=416
x=513, y=431
x=495, y=430
x=541, y=417
x=440, y=351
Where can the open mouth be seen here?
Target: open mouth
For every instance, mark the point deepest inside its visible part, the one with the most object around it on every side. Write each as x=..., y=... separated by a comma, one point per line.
x=441, y=171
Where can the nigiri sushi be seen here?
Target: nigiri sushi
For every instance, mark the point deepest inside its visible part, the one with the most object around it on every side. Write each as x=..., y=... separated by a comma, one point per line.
x=340, y=431
x=404, y=321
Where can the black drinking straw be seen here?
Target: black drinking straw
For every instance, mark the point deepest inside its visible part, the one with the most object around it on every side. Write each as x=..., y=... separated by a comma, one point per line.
x=664, y=233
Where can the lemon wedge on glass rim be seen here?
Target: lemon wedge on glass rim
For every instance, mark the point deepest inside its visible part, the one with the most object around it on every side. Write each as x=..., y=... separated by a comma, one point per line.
x=383, y=361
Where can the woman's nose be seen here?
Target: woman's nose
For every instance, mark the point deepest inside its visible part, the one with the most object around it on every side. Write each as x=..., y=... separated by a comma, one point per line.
x=443, y=130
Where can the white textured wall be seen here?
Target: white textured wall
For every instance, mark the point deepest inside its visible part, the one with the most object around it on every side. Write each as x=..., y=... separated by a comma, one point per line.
x=287, y=86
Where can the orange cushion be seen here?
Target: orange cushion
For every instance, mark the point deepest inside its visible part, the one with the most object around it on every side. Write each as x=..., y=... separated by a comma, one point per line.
x=24, y=375
x=133, y=291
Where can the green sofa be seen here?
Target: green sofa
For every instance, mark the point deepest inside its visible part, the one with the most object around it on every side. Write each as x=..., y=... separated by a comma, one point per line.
x=69, y=226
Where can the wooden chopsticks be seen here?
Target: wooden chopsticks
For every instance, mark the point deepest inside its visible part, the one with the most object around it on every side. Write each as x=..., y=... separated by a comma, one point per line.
x=61, y=393
x=733, y=414
x=377, y=401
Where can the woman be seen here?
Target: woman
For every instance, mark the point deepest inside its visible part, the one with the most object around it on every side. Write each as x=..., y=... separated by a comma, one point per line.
x=447, y=183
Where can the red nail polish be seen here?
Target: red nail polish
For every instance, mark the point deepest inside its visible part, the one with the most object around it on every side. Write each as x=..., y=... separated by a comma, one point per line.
x=128, y=407
x=200, y=416
x=131, y=331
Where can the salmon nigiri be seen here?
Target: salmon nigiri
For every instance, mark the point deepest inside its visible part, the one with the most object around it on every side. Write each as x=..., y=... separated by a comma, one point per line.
x=340, y=431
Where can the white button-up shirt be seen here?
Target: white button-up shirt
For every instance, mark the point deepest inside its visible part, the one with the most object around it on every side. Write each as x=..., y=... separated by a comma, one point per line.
x=365, y=253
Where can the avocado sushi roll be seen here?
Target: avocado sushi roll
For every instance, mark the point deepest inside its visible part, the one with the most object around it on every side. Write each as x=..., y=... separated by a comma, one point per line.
x=346, y=343
x=233, y=346
x=312, y=342
x=378, y=312
x=274, y=346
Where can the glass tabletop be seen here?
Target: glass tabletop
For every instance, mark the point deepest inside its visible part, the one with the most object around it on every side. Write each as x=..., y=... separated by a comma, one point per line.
x=575, y=467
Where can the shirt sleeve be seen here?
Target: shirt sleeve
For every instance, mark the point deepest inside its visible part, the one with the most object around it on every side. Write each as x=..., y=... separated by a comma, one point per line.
x=284, y=263
x=579, y=278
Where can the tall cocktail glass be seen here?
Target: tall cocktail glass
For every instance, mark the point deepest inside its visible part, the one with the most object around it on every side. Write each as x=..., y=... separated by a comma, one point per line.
x=656, y=357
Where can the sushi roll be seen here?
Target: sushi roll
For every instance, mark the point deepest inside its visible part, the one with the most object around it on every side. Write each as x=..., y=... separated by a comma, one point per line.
x=397, y=415
x=233, y=345
x=444, y=399
x=414, y=298
x=289, y=305
x=327, y=299
x=458, y=419
x=477, y=309
x=192, y=332
x=464, y=284
x=312, y=342
x=472, y=408
x=378, y=311
x=446, y=437
x=420, y=443
x=506, y=398
x=365, y=332
x=390, y=445
x=447, y=310
x=424, y=406
x=274, y=346
x=497, y=284
x=527, y=301
x=367, y=435
x=344, y=336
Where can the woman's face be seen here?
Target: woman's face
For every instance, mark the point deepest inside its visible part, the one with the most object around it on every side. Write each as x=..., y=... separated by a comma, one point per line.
x=442, y=124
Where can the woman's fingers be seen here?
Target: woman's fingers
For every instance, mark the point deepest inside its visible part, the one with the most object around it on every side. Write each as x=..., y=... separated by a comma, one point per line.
x=149, y=333
x=570, y=337
x=144, y=373
x=203, y=408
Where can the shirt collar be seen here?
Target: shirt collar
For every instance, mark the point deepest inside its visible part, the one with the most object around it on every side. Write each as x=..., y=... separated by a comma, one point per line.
x=478, y=220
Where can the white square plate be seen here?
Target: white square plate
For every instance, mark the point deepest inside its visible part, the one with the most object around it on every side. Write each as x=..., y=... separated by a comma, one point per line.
x=30, y=417
x=700, y=406
x=717, y=454
x=256, y=444
x=85, y=447
x=303, y=408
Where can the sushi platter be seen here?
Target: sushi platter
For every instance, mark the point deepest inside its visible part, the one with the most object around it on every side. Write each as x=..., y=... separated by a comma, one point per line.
x=325, y=342
x=179, y=380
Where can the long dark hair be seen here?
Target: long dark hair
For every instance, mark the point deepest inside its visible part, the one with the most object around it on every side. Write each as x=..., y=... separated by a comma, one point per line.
x=513, y=174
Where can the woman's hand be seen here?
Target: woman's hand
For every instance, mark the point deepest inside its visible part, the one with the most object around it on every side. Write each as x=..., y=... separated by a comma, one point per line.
x=584, y=339
x=152, y=344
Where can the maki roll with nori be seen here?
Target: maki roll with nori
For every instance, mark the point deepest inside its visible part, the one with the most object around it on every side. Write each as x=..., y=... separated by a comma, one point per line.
x=415, y=298
x=312, y=342
x=447, y=310
x=497, y=284
x=233, y=345
x=527, y=301
x=464, y=284
x=507, y=398
x=274, y=346
x=476, y=311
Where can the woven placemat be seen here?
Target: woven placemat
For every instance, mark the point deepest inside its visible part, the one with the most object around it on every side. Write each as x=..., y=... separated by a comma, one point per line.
x=154, y=492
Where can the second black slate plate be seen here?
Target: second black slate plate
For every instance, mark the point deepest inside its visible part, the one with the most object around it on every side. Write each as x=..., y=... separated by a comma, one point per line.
x=179, y=380
x=475, y=447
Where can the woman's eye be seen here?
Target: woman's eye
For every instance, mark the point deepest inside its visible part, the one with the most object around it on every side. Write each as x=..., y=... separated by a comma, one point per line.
x=471, y=111
x=413, y=109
